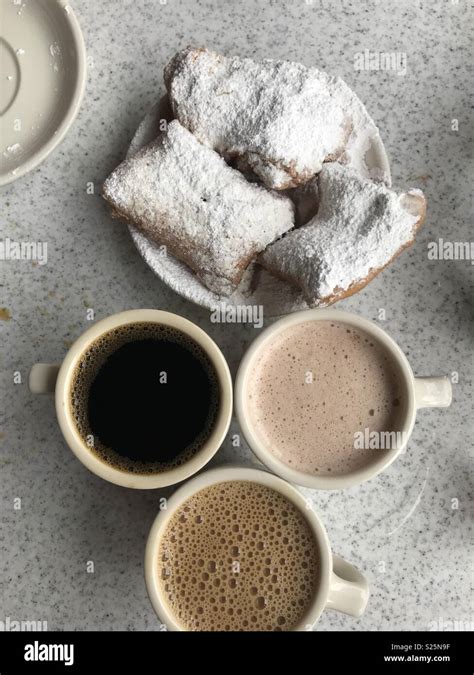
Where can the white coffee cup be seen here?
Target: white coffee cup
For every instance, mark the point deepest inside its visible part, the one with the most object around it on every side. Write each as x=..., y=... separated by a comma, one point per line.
x=48, y=378
x=341, y=586
x=419, y=392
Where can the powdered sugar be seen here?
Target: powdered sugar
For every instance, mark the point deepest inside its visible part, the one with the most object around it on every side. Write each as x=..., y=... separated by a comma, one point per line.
x=184, y=196
x=306, y=201
x=151, y=126
x=364, y=136
x=283, y=118
x=360, y=226
x=258, y=286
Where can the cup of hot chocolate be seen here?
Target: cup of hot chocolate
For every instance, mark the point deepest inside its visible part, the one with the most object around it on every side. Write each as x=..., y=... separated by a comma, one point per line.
x=327, y=399
x=239, y=549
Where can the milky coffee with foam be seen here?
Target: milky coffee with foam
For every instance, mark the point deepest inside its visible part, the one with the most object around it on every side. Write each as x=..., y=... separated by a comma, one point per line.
x=238, y=556
x=315, y=389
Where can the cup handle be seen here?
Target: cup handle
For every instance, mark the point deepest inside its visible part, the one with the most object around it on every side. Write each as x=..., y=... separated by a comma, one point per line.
x=348, y=588
x=433, y=392
x=42, y=378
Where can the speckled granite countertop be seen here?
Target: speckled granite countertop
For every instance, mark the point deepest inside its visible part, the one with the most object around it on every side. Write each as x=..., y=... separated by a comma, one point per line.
x=404, y=529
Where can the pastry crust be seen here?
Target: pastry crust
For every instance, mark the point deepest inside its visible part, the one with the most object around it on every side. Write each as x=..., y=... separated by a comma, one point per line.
x=182, y=195
x=360, y=228
x=282, y=119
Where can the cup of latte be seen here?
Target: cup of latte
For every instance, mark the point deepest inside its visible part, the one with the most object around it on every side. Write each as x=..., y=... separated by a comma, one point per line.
x=326, y=399
x=143, y=398
x=239, y=549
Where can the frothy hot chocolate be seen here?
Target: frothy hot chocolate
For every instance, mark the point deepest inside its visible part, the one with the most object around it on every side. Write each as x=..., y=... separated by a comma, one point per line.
x=319, y=388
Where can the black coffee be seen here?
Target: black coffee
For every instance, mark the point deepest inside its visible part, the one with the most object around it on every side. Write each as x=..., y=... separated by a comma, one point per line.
x=145, y=397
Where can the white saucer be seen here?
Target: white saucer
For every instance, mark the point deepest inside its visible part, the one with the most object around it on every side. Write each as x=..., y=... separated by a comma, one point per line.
x=258, y=286
x=42, y=80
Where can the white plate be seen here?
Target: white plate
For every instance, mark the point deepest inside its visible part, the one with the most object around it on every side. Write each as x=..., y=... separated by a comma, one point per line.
x=42, y=75
x=258, y=286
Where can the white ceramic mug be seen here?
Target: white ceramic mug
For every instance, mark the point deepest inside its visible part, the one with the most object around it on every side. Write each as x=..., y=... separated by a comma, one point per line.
x=419, y=392
x=48, y=378
x=341, y=586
